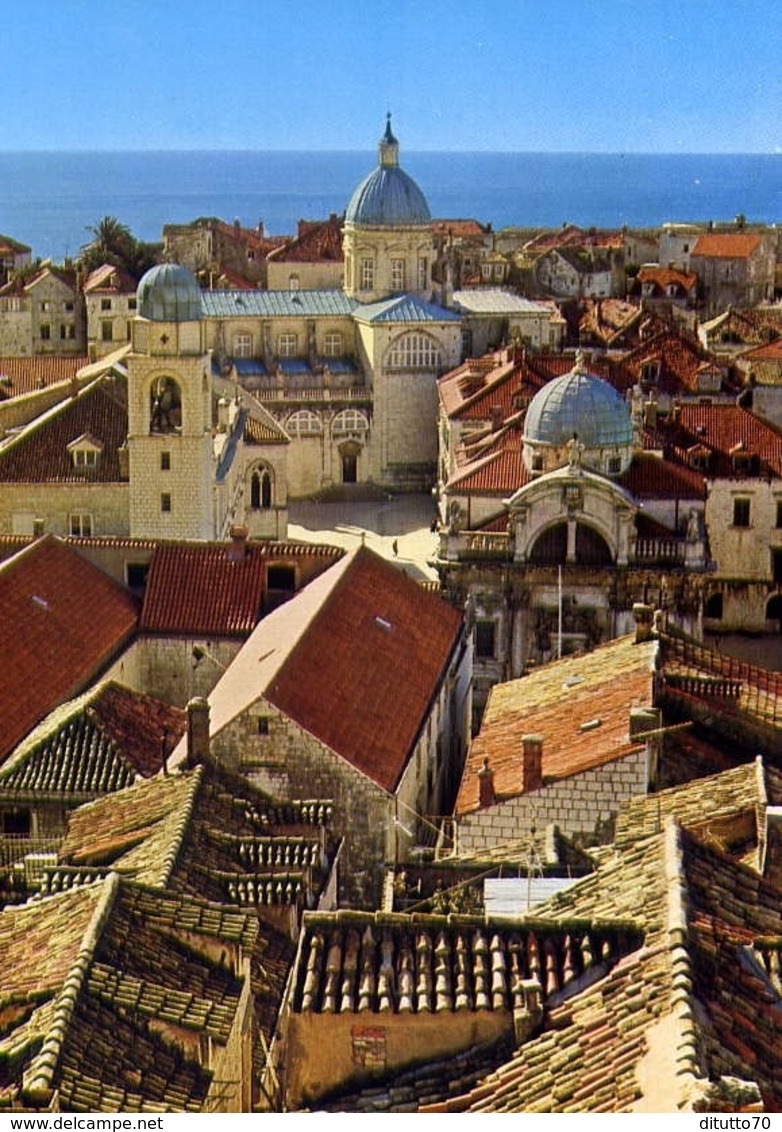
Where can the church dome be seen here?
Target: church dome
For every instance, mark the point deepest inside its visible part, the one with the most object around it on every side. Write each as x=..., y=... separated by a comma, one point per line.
x=388, y=197
x=169, y=293
x=582, y=405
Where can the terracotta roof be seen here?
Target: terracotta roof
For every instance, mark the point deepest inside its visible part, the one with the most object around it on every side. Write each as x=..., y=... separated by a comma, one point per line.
x=388, y=644
x=772, y=351
x=109, y=279
x=675, y=1018
x=384, y=964
x=663, y=277
x=388, y=641
x=563, y=702
x=653, y=477
x=460, y=228
x=40, y=454
x=87, y=1001
x=724, y=429
x=605, y=321
x=730, y=245
x=693, y=804
x=570, y=235
x=61, y=620
x=90, y=746
x=25, y=375
x=317, y=242
x=204, y=589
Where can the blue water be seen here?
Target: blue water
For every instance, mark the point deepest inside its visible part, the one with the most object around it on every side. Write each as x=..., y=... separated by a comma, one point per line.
x=49, y=200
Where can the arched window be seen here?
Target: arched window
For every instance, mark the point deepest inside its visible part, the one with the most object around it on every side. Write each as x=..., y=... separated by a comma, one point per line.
x=165, y=406
x=303, y=423
x=261, y=489
x=349, y=421
x=414, y=351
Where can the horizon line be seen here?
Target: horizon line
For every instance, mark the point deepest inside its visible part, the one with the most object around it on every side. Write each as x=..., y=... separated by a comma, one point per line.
x=466, y=152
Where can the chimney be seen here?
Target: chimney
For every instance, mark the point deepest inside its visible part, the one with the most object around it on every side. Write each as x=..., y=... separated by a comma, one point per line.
x=650, y=414
x=223, y=414
x=644, y=616
x=496, y=418
x=238, y=548
x=486, y=795
x=531, y=762
x=197, y=731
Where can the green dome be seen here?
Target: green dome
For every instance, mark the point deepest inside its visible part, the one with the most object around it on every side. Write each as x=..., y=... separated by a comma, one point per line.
x=169, y=293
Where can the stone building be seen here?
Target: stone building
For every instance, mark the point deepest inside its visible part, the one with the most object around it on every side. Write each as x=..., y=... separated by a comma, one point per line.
x=110, y=305
x=43, y=314
x=358, y=689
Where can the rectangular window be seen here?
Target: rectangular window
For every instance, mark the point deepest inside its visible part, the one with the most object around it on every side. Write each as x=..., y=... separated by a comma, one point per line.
x=367, y=276
x=741, y=512
x=332, y=344
x=485, y=639
x=46, y=332
x=85, y=458
x=165, y=461
x=165, y=502
x=779, y=513
x=132, y=304
x=81, y=525
x=286, y=345
x=776, y=566
x=243, y=345
x=397, y=275
x=107, y=331
x=263, y=725
x=69, y=306
x=46, y=305
x=105, y=304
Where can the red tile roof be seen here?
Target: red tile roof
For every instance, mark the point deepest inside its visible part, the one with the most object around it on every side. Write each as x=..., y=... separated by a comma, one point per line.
x=61, y=621
x=723, y=429
x=316, y=242
x=772, y=352
x=362, y=676
x=650, y=477
x=109, y=279
x=665, y=276
x=25, y=375
x=555, y=702
x=726, y=245
x=207, y=589
x=40, y=453
x=460, y=228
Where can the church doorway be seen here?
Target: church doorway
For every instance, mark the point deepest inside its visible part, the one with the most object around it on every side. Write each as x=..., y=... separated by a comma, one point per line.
x=348, y=454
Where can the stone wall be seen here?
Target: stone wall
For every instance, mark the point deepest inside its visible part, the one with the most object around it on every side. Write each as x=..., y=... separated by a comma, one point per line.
x=291, y=763
x=575, y=804
x=106, y=505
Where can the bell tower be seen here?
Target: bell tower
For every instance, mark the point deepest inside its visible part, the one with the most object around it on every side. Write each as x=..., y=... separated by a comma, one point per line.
x=170, y=461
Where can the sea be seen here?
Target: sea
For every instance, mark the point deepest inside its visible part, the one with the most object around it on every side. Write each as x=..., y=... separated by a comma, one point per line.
x=50, y=201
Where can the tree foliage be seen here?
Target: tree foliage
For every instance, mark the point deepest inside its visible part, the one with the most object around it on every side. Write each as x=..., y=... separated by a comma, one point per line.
x=113, y=242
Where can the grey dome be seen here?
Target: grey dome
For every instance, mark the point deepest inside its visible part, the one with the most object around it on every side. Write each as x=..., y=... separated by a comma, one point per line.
x=388, y=196
x=169, y=293
x=580, y=404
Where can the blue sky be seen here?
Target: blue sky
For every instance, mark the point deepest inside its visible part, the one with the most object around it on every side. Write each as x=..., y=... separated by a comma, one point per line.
x=551, y=75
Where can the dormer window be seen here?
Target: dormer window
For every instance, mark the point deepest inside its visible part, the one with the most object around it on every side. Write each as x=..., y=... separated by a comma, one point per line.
x=84, y=452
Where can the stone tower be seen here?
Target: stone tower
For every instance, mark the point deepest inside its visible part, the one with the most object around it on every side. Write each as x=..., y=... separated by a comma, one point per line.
x=170, y=459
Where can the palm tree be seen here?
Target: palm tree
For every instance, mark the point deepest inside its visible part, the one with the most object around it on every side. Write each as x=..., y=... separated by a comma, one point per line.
x=113, y=242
